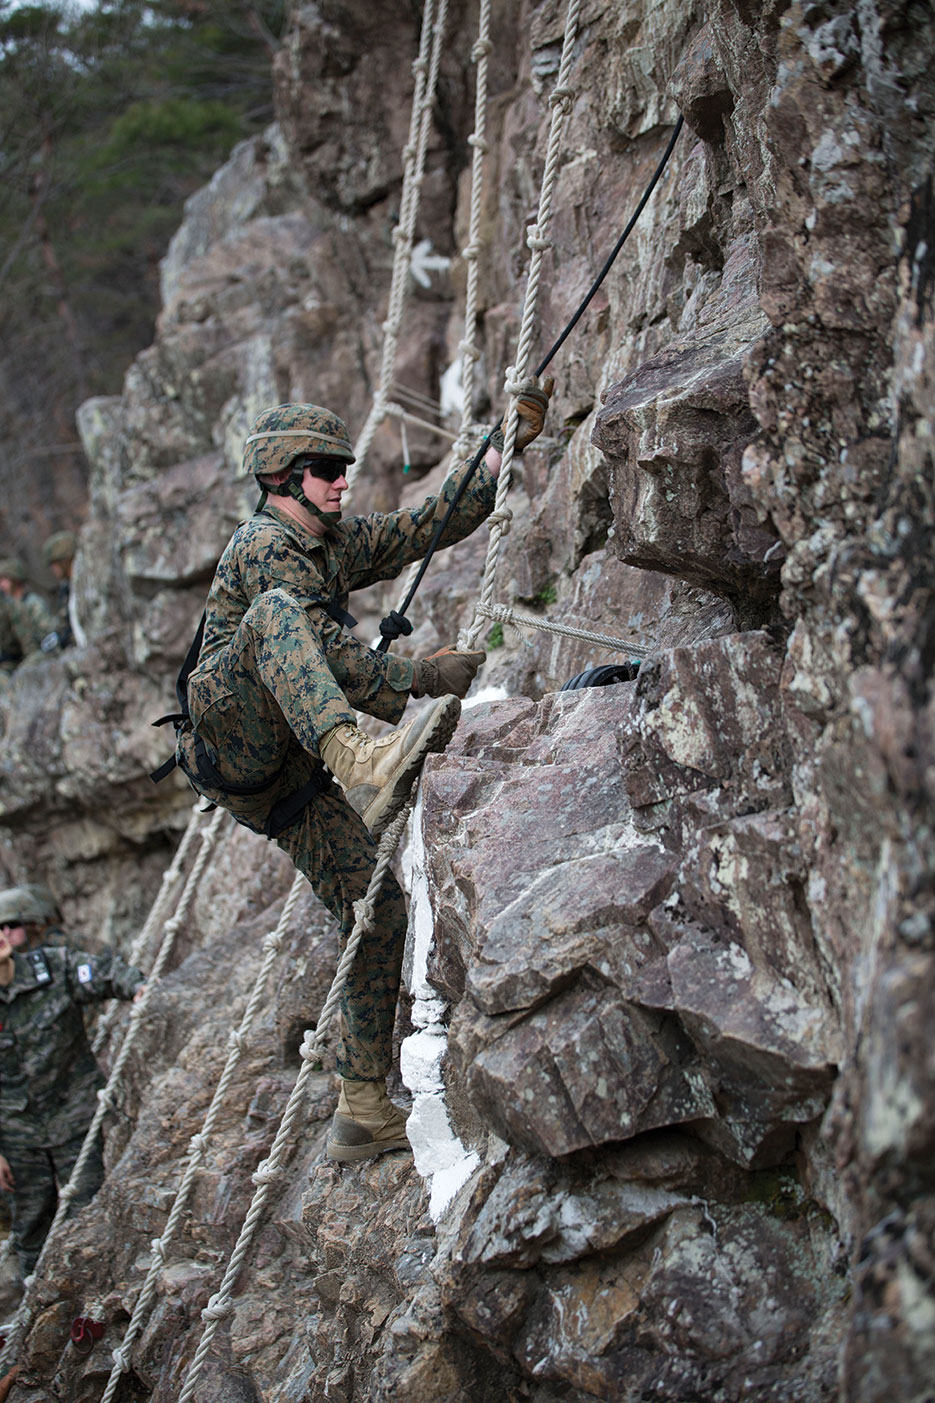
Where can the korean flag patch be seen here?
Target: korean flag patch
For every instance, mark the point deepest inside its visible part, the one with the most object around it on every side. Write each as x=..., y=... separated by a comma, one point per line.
x=85, y=974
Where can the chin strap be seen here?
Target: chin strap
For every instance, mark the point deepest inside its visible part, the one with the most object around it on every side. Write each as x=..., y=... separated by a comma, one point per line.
x=292, y=487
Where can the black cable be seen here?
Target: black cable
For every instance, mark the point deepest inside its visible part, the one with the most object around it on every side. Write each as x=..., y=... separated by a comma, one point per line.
x=393, y=626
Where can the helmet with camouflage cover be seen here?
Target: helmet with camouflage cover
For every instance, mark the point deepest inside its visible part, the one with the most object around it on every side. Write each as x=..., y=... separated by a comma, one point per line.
x=290, y=432
x=12, y=568
x=59, y=546
x=31, y=903
x=278, y=435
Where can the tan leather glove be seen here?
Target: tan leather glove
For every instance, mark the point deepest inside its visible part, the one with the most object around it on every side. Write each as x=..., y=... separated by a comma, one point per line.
x=531, y=407
x=449, y=672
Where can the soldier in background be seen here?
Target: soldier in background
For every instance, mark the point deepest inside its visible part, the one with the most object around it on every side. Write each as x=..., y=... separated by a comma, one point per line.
x=49, y=1079
x=30, y=616
x=59, y=554
x=11, y=654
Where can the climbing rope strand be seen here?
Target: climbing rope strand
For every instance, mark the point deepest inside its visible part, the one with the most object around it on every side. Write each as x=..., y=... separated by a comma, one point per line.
x=272, y=945
x=471, y=253
x=538, y=242
x=156, y=917
x=221, y=1304
x=104, y=1096
x=423, y=98
x=504, y=615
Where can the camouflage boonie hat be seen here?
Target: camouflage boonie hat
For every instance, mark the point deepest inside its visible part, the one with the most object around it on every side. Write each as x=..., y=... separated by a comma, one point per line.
x=12, y=568
x=29, y=904
x=60, y=546
x=281, y=434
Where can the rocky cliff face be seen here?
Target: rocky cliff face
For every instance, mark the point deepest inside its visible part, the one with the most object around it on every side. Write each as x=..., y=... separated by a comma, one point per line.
x=672, y=945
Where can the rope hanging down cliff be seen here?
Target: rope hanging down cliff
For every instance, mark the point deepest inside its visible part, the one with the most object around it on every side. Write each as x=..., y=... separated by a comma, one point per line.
x=171, y=928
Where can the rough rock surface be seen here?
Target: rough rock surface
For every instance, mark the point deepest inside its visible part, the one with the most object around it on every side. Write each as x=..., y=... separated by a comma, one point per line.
x=672, y=940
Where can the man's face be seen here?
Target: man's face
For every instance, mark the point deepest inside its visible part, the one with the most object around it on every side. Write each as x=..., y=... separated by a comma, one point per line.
x=11, y=938
x=326, y=495
x=6, y=584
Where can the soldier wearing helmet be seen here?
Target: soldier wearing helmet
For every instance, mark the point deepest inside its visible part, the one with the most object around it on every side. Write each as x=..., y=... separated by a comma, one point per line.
x=49, y=1079
x=59, y=554
x=273, y=698
x=30, y=616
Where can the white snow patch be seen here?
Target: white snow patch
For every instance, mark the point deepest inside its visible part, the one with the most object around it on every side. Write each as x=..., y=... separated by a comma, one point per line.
x=451, y=389
x=439, y=1155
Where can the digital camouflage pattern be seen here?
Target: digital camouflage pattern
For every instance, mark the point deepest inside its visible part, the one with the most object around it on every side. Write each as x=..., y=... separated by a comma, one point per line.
x=32, y=620
x=278, y=435
x=48, y=1076
x=275, y=673
x=11, y=654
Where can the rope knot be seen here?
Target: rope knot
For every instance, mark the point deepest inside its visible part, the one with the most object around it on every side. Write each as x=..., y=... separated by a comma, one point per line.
x=198, y=1145
x=273, y=941
x=266, y=1173
x=478, y=143
x=159, y=1250
x=364, y=913
x=68, y=1193
x=395, y=625
x=121, y=1358
x=480, y=49
x=173, y=925
x=420, y=66
x=563, y=96
x=105, y=1098
x=238, y=1039
x=218, y=1308
x=399, y=236
x=502, y=519
x=535, y=239
x=310, y=1051
x=469, y=351
x=471, y=252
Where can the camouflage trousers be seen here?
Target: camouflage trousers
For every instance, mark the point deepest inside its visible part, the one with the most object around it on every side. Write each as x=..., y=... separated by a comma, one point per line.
x=38, y=1174
x=259, y=706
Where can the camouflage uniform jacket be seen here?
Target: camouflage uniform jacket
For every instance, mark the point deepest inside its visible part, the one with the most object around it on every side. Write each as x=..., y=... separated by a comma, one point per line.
x=10, y=651
x=48, y=1076
x=271, y=551
x=32, y=620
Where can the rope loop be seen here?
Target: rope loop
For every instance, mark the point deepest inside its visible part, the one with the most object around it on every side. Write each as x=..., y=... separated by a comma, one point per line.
x=480, y=49
x=238, y=1039
x=512, y=385
x=565, y=96
x=158, y=1250
x=395, y=625
x=420, y=67
x=310, y=1051
x=273, y=941
x=478, y=143
x=218, y=1308
x=68, y=1193
x=198, y=1145
x=535, y=239
x=105, y=1098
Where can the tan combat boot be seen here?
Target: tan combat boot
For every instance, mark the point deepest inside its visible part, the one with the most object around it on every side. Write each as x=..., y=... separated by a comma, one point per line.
x=366, y=1123
x=377, y=775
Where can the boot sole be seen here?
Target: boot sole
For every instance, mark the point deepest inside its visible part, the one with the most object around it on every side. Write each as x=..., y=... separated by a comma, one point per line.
x=391, y=798
x=353, y=1154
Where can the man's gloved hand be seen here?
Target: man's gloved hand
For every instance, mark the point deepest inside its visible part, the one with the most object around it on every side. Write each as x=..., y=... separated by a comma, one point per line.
x=449, y=672
x=531, y=407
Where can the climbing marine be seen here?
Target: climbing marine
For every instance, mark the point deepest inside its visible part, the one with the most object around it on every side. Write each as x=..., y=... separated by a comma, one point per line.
x=272, y=701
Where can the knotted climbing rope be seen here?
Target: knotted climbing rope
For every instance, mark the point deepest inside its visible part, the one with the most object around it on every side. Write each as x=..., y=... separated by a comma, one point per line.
x=270, y=1171
x=425, y=70
x=200, y=1142
x=105, y=1097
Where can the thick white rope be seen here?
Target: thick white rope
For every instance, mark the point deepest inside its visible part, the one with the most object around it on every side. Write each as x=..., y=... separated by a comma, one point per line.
x=271, y=1170
x=156, y=917
x=472, y=250
x=504, y=615
x=561, y=101
x=423, y=99
x=272, y=945
x=105, y=1095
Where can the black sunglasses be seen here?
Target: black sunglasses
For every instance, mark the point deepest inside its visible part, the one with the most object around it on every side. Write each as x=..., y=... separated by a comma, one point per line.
x=328, y=469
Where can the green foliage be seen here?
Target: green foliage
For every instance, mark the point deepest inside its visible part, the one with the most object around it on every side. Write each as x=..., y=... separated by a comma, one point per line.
x=109, y=119
x=545, y=596
x=495, y=637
